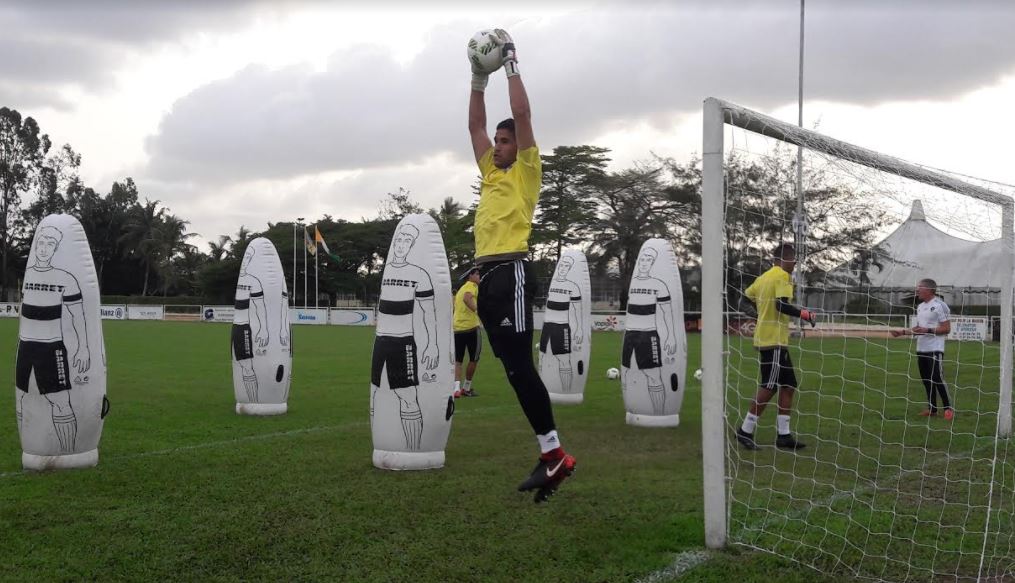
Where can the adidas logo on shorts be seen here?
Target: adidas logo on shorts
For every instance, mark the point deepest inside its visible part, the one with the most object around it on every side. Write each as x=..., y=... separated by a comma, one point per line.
x=506, y=322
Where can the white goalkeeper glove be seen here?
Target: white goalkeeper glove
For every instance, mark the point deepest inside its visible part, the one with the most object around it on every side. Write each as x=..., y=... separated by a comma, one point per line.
x=479, y=79
x=507, y=51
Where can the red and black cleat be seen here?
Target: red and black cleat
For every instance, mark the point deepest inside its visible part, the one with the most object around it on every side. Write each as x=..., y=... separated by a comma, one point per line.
x=550, y=471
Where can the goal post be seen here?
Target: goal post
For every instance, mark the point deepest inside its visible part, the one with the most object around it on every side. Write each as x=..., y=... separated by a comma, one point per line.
x=713, y=416
x=816, y=481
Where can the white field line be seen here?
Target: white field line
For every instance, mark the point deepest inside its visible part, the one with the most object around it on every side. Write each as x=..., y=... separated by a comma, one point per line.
x=845, y=494
x=827, y=501
x=682, y=564
x=689, y=560
x=247, y=438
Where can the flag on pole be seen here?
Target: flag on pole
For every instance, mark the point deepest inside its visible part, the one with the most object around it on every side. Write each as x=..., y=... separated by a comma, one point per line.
x=311, y=246
x=320, y=240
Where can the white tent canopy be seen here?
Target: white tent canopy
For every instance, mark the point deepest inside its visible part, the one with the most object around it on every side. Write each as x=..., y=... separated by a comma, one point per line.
x=918, y=249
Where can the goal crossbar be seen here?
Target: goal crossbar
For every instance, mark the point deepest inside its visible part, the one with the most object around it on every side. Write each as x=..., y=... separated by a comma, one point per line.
x=762, y=124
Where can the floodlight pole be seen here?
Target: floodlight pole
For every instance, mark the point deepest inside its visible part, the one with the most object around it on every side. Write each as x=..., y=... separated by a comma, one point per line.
x=317, y=274
x=292, y=295
x=800, y=219
x=306, y=270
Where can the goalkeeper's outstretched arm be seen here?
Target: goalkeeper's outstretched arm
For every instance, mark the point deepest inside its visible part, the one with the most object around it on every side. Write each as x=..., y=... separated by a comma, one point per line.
x=517, y=95
x=477, y=122
x=784, y=306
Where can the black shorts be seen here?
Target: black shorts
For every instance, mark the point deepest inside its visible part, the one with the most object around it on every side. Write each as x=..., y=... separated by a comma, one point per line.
x=48, y=360
x=776, y=369
x=243, y=342
x=645, y=346
x=469, y=341
x=506, y=291
x=398, y=355
x=557, y=336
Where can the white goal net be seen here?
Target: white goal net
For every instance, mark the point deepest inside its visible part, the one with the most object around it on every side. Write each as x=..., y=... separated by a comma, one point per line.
x=881, y=491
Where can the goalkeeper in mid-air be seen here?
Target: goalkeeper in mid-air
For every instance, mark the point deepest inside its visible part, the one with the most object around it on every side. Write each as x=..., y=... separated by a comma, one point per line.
x=511, y=178
x=772, y=294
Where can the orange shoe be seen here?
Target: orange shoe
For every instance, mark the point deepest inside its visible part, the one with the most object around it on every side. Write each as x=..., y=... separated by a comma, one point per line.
x=949, y=414
x=927, y=413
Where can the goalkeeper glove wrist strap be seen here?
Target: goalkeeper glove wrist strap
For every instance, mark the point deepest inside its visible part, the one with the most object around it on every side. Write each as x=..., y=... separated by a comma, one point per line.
x=511, y=68
x=479, y=82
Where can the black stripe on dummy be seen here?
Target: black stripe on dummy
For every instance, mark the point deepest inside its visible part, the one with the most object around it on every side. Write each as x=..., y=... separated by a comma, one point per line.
x=41, y=312
x=395, y=308
x=641, y=309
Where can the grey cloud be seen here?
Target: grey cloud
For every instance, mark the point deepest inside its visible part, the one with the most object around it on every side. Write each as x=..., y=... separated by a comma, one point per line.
x=366, y=111
x=583, y=71
x=220, y=210
x=70, y=43
x=127, y=22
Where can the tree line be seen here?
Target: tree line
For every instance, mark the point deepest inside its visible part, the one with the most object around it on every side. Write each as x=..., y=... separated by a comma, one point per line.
x=141, y=248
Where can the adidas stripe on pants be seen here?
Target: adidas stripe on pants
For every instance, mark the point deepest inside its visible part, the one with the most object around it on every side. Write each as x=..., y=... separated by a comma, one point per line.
x=506, y=291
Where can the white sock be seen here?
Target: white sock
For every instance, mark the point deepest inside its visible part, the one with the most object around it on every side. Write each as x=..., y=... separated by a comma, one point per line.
x=548, y=442
x=458, y=386
x=468, y=384
x=750, y=422
x=782, y=422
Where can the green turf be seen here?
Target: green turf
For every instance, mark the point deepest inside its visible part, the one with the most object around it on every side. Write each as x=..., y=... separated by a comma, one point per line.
x=879, y=492
x=187, y=490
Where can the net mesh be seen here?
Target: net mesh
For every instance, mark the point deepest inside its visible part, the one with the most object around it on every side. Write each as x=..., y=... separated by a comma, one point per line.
x=880, y=492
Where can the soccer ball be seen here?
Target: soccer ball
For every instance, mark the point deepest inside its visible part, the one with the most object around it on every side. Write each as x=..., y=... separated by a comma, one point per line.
x=484, y=52
x=697, y=374
x=612, y=373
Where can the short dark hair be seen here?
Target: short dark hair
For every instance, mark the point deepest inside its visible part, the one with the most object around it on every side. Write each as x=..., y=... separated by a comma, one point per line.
x=784, y=250
x=928, y=283
x=508, y=124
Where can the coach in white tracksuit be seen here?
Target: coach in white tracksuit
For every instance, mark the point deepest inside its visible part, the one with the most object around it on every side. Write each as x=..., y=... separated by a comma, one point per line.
x=932, y=327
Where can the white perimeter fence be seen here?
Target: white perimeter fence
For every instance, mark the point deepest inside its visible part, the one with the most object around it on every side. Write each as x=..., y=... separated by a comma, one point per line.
x=606, y=321
x=313, y=316
x=974, y=328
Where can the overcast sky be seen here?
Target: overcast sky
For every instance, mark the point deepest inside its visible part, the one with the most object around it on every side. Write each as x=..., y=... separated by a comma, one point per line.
x=234, y=112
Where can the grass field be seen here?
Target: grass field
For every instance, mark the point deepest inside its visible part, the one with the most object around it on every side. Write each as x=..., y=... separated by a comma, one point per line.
x=879, y=492
x=187, y=490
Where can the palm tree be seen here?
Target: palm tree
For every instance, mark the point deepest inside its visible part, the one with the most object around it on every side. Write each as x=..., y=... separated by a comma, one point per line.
x=141, y=236
x=171, y=239
x=220, y=249
x=240, y=242
x=455, y=223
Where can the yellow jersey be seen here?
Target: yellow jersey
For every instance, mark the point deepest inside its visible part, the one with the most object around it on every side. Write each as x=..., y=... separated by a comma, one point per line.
x=506, y=204
x=773, y=326
x=465, y=318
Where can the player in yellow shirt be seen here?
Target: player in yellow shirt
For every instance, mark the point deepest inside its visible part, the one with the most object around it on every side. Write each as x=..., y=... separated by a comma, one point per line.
x=467, y=336
x=772, y=294
x=512, y=175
